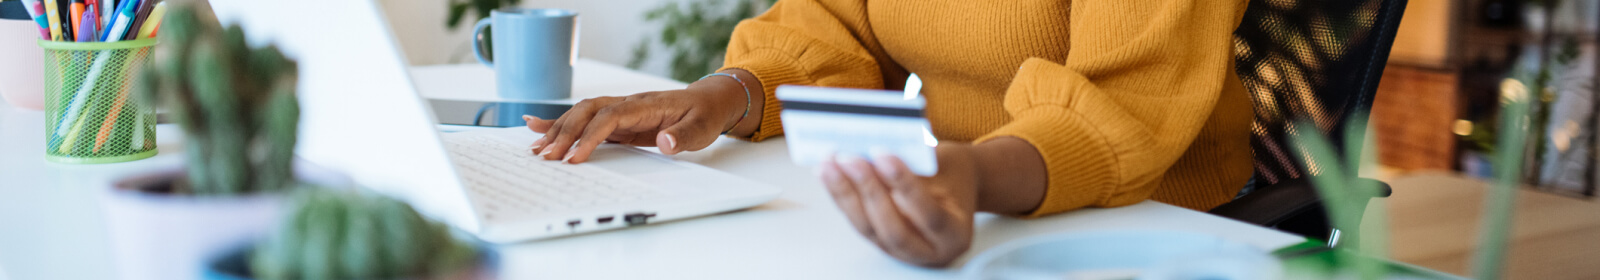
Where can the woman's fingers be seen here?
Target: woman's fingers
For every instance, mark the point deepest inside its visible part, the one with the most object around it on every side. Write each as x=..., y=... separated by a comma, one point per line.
x=892, y=227
x=537, y=124
x=847, y=198
x=592, y=136
x=544, y=142
x=642, y=139
x=571, y=125
x=930, y=209
x=620, y=116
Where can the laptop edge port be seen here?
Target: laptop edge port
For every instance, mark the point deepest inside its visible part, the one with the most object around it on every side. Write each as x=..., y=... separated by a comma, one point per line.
x=637, y=218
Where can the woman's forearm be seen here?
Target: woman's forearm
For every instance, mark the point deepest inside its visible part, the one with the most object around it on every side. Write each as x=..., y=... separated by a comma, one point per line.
x=1012, y=176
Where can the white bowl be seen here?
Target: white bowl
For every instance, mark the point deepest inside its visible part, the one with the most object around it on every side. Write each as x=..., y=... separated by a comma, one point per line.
x=1131, y=254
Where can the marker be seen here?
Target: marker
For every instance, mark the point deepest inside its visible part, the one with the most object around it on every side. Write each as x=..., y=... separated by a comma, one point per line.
x=64, y=11
x=119, y=24
x=141, y=13
x=36, y=11
x=74, y=109
x=53, y=17
x=77, y=17
x=96, y=5
x=108, y=11
x=152, y=21
x=86, y=26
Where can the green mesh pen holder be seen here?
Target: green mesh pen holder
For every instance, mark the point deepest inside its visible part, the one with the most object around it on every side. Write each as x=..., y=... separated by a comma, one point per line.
x=90, y=113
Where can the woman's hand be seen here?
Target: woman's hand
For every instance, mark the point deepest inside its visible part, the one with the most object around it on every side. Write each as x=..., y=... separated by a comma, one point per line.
x=925, y=221
x=675, y=121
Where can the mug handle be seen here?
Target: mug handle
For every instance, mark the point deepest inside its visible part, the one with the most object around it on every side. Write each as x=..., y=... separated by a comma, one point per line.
x=477, y=42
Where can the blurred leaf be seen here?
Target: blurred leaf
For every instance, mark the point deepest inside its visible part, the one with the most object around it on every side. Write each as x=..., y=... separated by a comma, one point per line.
x=641, y=52
x=457, y=10
x=482, y=8
x=1344, y=200
x=1501, y=198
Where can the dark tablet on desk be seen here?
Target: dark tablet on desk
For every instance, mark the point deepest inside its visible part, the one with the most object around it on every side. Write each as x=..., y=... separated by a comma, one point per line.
x=492, y=114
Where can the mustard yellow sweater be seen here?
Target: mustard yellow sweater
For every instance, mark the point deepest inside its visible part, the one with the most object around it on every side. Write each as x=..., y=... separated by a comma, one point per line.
x=1126, y=100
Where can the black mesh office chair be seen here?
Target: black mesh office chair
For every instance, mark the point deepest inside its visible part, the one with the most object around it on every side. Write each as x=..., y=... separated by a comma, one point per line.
x=1317, y=60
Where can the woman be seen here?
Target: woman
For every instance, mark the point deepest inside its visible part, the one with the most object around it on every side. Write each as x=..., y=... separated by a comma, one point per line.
x=1041, y=106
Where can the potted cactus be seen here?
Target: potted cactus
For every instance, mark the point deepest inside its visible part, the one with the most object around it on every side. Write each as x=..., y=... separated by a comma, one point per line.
x=237, y=109
x=348, y=234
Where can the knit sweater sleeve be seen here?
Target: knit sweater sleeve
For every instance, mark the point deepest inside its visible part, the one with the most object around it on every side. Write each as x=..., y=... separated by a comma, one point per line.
x=806, y=42
x=1136, y=87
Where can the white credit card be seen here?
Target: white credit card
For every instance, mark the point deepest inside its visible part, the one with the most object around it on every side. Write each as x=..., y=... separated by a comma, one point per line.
x=819, y=122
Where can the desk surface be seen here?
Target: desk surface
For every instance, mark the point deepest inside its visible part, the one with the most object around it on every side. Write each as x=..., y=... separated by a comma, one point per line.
x=52, y=228
x=1435, y=220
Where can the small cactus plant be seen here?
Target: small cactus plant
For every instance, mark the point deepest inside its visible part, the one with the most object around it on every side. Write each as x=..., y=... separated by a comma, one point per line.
x=236, y=105
x=338, y=234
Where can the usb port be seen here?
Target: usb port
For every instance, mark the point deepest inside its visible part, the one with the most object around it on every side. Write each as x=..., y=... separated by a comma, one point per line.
x=605, y=219
x=637, y=218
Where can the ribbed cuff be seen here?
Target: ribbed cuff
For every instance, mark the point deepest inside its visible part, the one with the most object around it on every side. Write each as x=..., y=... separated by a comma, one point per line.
x=1080, y=166
x=772, y=70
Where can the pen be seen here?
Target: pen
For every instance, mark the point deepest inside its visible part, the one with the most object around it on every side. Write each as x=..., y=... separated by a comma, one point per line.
x=118, y=25
x=36, y=11
x=86, y=26
x=87, y=4
x=111, y=120
x=74, y=109
x=148, y=30
x=141, y=13
x=53, y=17
x=96, y=5
x=64, y=11
x=108, y=10
x=76, y=9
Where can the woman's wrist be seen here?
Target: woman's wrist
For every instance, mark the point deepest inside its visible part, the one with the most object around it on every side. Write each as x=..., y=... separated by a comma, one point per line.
x=725, y=94
x=743, y=97
x=1012, y=178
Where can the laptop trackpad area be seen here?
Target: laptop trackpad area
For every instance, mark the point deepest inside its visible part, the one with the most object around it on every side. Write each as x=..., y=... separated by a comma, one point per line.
x=629, y=161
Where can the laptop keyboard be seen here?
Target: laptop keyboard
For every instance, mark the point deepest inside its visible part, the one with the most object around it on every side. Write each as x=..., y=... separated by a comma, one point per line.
x=508, y=180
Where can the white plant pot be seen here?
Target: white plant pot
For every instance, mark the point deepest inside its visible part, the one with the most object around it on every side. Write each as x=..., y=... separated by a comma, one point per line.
x=160, y=236
x=21, y=64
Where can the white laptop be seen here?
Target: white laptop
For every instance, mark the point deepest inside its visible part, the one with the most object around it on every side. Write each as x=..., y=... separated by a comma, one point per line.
x=360, y=114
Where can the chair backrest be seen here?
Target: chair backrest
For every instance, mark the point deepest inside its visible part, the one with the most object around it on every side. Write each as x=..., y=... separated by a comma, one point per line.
x=1317, y=60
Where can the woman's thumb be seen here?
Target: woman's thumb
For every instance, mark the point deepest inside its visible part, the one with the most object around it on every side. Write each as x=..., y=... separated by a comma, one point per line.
x=689, y=134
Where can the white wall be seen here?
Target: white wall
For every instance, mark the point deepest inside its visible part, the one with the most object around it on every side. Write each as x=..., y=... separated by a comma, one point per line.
x=608, y=30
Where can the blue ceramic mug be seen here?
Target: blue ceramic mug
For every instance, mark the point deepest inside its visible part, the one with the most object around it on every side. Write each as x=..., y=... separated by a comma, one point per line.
x=531, y=51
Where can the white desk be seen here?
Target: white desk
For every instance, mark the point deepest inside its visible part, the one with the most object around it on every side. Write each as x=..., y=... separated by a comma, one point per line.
x=51, y=226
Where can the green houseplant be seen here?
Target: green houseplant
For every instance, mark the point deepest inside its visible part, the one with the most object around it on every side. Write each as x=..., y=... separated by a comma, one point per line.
x=1340, y=194
x=696, y=34
x=238, y=114
x=236, y=105
x=349, y=234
